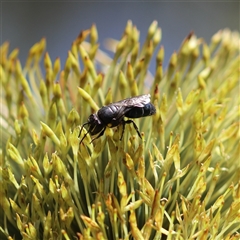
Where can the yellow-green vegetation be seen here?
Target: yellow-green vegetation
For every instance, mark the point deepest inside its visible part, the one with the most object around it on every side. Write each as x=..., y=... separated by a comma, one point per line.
x=181, y=181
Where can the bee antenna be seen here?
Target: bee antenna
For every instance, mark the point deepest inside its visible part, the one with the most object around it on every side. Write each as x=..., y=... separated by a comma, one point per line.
x=81, y=131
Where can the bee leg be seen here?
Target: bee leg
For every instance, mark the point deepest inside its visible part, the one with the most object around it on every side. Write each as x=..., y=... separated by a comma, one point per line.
x=99, y=135
x=135, y=126
x=83, y=137
x=123, y=128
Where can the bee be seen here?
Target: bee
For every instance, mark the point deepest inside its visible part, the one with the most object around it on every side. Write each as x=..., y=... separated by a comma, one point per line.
x=113, y=115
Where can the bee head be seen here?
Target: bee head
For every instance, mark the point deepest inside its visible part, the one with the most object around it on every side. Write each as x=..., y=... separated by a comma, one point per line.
x=95, y=125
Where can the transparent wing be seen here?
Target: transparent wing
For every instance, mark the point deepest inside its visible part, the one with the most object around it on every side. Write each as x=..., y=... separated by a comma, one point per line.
x=138, y=101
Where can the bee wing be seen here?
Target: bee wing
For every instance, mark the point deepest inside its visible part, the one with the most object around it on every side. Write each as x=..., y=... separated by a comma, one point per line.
x=138, y=101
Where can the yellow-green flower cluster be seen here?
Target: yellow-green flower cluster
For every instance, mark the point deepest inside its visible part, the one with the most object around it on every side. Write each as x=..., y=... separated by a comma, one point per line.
x=181, y=181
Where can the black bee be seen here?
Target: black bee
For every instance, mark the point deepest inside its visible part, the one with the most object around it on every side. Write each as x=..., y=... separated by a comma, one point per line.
x=113, y=115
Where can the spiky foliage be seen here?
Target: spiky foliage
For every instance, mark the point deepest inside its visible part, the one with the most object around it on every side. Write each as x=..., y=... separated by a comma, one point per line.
x=181, y=181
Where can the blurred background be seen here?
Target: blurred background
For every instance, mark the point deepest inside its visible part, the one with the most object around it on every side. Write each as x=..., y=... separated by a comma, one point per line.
x=25, y=23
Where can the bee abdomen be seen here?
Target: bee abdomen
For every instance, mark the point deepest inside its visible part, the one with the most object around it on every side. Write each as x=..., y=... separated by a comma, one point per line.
x=138, y=112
